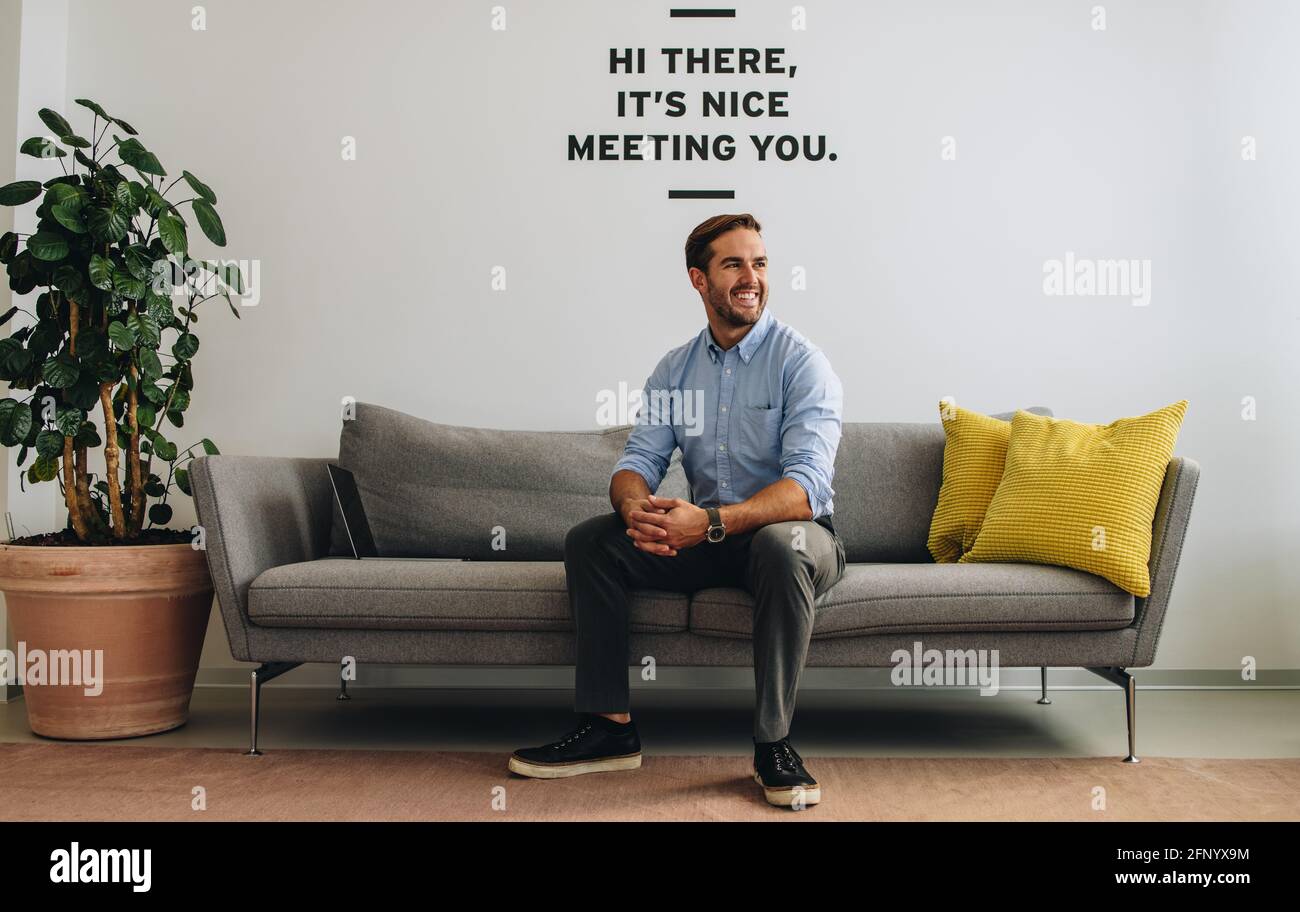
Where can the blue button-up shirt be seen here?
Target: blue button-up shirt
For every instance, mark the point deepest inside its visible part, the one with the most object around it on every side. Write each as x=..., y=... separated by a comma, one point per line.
x=767, y=408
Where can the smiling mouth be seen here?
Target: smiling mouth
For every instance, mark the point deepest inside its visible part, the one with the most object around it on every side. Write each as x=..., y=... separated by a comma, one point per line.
x=746, y=297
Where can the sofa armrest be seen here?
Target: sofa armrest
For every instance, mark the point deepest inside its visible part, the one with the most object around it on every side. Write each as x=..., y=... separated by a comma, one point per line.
x=258, y=512
x=1167, y=532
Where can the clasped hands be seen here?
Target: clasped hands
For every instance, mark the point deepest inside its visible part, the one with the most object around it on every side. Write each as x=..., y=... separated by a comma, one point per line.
x=665, y=525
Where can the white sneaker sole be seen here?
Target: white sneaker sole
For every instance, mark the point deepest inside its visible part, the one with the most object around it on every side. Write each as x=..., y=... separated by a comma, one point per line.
x=577, y=768
x=785, y=797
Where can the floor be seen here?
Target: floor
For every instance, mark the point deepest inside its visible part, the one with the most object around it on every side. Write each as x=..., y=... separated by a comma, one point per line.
x=885, y=722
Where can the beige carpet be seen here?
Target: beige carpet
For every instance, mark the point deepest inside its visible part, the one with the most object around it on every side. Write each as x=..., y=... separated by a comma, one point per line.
x=49, y=781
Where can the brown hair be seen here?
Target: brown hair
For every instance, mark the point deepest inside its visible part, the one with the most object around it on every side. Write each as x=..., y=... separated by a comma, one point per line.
x=698, y=250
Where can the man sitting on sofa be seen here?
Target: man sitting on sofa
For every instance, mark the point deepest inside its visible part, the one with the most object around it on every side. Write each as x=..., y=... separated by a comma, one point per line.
x=760, y=463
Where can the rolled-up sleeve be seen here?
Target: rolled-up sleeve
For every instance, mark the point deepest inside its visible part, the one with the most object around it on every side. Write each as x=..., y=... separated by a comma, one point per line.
x=810, y=428
x=651, y=443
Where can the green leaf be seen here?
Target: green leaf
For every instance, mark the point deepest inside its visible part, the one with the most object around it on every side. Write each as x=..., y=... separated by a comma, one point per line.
x=157, y=202
x=210, y=448
x=65, y=193
x=49, y=444
x=84, y=394
x=58, y=126
x=185, y=346
x=15, y=421
x=146, y=329
x=160, y=309
x=121, y=335
x=88, y=436
x=210, y=222
x=69, y=419
x=138, y=261
x=150, y=367
x=180, y=401
x=47, y=246
x=61, y=371
x=43, y=469
x=163, y=447
x=14, y=359
x=183, y=481
x=92, y=343
x=101, y=272
x=8, y=247
x=202, y=189
x=137, y=156
x=128, y=286
x=154, y=488
x=153, y=393
x=73, y=141
x=107, y=226
x=87, y=162
x=19, y=192
x=124, y=125
x=160, y=514
x=172, y=231
x=87, y=103
x=69, y=279
x=69, y=216
x=41, y=147
x=122, y=195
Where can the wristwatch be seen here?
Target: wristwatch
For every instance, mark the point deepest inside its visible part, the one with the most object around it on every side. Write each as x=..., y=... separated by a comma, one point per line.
x=717, y=529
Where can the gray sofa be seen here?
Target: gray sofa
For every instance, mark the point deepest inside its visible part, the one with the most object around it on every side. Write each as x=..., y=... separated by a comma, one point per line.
x=505, y=499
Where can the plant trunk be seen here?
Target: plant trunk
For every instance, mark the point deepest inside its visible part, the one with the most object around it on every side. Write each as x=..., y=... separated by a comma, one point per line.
x=88, y=512
x=70, y=491
x=111, y=463
x=133, y=457
x=70, y=487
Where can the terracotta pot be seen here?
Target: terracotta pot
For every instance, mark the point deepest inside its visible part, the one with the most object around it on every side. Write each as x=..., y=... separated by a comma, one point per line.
x=145, y=606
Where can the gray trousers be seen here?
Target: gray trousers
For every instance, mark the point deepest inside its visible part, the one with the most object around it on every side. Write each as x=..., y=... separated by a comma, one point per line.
x=782, y=570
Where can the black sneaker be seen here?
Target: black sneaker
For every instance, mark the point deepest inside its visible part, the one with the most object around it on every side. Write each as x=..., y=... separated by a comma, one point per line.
x=596, y=745
x=779, y=769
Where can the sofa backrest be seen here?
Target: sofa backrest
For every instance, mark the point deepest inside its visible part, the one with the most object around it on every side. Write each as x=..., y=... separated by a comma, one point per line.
x=887, y=480
x=440, y=490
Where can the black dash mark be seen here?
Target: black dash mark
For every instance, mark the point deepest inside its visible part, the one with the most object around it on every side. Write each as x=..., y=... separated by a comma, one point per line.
x=701, y=194
x=702, y=13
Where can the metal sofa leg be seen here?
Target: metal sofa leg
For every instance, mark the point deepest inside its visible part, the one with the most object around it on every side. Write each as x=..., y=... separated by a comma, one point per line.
x=1117, y=675
x=343, y=684
x=260, y=676
x=1043, y=699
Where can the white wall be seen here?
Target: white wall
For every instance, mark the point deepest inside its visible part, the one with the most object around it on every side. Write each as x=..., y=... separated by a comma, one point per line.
x=10, y=24
x=925, y=275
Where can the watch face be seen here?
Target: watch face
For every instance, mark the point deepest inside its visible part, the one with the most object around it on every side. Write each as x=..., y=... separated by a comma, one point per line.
x=716, y=533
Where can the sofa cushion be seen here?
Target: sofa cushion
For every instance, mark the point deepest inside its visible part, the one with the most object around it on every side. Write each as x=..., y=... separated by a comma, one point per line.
x=439, y=490
x=875, y=598
x=435, y=595
x=887, y=479
x=1082, y=495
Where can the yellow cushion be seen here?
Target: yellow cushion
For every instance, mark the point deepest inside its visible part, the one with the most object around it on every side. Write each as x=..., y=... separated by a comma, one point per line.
x=1081, y=495
x=973, y=455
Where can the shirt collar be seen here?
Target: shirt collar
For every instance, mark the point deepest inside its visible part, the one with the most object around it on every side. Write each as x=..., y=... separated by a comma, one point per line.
x=747, y=345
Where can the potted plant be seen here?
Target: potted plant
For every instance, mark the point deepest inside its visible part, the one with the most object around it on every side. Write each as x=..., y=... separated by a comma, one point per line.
x=109, y=613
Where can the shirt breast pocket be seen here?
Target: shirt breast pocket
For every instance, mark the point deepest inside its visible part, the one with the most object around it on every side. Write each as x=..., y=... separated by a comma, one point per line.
x=760, y=435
